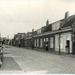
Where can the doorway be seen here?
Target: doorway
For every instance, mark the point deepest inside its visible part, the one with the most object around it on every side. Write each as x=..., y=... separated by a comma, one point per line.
x=68, y=44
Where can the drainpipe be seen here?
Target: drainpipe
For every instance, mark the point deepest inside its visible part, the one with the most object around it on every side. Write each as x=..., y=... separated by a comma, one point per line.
x=59, y=42
x=32, y=39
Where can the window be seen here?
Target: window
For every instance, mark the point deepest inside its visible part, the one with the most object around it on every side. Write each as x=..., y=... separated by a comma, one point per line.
x=57, y=41
x=47, y=39
x=51, y=42
x=29, y=42
x=61, y=42
x=40, y=42
x=37, y=42
x=44, y=39
x=25, y=43
x=56, y=26
x=53, y=27
x=38, y=31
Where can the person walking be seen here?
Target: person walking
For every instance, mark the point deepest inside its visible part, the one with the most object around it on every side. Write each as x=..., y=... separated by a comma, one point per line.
x=46, y=46
x=3, y=44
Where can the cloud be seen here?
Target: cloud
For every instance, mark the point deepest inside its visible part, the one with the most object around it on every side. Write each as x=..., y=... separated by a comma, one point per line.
x=22, y=16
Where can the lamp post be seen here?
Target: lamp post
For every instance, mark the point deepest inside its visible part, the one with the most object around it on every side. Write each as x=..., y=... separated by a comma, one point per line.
x=59, y=42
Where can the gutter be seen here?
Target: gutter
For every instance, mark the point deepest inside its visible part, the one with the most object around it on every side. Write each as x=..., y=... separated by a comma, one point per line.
x=53, y=32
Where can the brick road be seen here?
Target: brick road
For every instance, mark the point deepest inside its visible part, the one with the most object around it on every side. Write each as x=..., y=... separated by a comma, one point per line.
x=27, y=61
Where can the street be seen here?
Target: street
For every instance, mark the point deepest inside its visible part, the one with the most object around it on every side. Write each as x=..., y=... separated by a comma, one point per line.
x=27, y=61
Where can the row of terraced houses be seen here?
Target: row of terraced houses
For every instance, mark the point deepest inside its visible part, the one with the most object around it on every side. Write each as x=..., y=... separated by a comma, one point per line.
x=57, y=34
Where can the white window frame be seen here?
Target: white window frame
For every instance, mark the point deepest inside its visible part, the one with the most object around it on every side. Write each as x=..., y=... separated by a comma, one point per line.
x=25, y=43
x=44, y=39
x=61, y=42
x=37, y=42
x=51, y=42
x=41, y=42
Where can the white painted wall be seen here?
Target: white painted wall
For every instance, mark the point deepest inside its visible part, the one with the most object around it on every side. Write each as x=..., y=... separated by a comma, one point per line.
x=63, y=38
x=56, y=42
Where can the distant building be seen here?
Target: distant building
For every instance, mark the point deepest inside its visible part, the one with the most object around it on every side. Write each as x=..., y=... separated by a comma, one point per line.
x=17, y=38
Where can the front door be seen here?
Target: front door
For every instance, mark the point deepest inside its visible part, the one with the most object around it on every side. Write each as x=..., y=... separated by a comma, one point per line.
x=68, y=44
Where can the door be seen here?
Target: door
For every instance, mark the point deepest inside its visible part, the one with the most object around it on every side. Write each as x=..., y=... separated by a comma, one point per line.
x=68, y=44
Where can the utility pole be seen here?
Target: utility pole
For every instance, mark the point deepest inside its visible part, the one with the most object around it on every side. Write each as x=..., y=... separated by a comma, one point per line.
x=32, y=44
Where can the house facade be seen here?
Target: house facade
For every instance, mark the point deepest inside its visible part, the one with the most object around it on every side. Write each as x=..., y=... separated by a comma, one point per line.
x=58, y=34
x=52, y=37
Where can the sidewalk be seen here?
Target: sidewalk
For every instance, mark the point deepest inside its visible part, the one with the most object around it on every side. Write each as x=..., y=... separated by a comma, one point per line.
x=9, y=65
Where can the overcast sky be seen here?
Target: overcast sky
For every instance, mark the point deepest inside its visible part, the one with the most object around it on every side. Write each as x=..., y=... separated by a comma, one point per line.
x=25, y=15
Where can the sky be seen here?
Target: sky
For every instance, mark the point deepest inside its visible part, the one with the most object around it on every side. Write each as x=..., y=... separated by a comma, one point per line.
x=21, y=16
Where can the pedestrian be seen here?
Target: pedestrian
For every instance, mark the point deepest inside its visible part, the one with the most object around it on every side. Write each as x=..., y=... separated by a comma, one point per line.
x=19, y=45
x=46, y=46
x=32, y=46
x=3, y=44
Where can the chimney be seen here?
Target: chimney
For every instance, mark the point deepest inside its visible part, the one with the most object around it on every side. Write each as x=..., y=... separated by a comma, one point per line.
x=32, y=30
x=66, y=15
x=47, y=23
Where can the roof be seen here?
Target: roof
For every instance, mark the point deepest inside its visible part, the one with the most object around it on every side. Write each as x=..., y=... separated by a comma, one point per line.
x=34, y=33
x=19, y=36
x=48, y=28
x=69, y=21
x=54, y=32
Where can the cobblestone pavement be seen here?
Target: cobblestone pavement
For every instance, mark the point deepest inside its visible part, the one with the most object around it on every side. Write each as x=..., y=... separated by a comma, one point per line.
x=40, y=62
